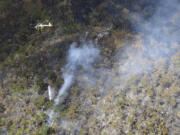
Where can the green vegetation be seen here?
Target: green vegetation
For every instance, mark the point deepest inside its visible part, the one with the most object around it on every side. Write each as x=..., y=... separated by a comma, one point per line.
x=144, y=104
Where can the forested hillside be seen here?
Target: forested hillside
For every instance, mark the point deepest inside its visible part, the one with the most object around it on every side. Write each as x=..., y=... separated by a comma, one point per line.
x=112, y=67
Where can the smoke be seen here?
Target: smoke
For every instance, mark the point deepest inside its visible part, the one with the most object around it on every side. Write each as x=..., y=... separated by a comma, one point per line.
x=151, y=49
x=79, y=58
x=156, y=41
x=157, y=37
x=68, y=78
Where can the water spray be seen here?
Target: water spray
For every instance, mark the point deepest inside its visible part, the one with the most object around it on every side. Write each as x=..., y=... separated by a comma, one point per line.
x=50, y=92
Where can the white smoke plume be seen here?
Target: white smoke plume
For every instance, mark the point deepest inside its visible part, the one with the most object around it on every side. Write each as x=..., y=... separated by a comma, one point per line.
x=157, y=37
x=156, y=41
x=78, y=58
x=68, y=78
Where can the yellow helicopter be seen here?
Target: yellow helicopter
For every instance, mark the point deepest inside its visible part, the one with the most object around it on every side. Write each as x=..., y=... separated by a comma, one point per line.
x=41, y=26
